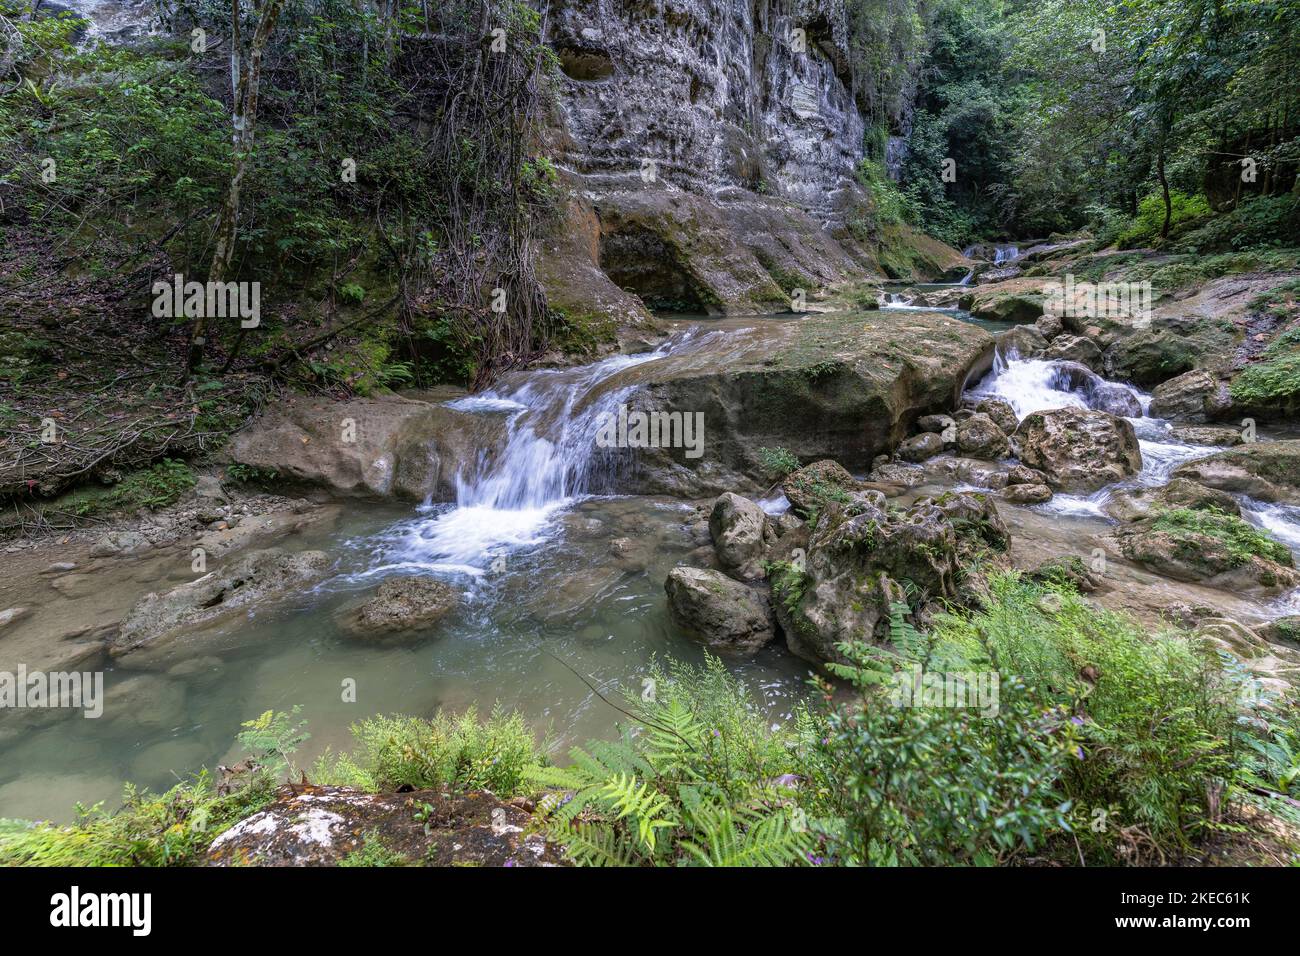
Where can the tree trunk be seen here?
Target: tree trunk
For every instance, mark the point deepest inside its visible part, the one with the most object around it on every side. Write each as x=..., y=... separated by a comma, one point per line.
x=1164, y=188
x=245, y=78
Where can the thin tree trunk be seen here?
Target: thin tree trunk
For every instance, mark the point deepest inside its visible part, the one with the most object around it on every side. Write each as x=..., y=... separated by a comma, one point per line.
x=1164, y=188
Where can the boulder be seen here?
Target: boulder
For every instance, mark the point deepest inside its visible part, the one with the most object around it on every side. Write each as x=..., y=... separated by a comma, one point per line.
x=920, y=447
x=1031, y=494
x=814, y=486
x=1049, y=326
x=1195, y=396
x=980, y=437
x=736, y=526
x=383, y=447
x=1023, y=341
x=935, y=423
x=1219, y=550
x=1114, y=399
x=324, y=826
x=1267, y=471
x=1208, y=435
x=1001, y=412
x=845, y=385
x=249, y=579
x=723, y=613
x=857, y=561
x=399, y=605
x=1136, y=503
x=1079, y=450
x=1014, y=300
x=1075, y=348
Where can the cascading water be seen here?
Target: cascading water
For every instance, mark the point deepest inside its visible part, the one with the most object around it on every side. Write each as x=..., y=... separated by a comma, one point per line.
x=509, y=498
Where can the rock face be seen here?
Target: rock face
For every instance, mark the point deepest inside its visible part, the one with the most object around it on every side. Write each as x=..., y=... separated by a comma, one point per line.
x=736, y=525
x=1079, y=450
x=851, y=386
x=251, y=578
x=402, y=605
x=712, y=148
x=858, y=558
x=1268, y=471
x=322, y=826
x=722, y=612
x=386, y=446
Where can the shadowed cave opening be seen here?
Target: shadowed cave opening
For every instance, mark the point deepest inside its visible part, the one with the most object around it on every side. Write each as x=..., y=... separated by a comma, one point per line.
x=639, y=261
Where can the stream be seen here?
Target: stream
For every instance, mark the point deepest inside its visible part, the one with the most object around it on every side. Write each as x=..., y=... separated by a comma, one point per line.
x=555, y=576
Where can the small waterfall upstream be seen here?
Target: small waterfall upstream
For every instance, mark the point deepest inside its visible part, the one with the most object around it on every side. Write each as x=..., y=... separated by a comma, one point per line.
x=1030, y=385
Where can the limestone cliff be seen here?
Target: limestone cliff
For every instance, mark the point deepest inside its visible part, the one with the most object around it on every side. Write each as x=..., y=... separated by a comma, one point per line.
x=711, y=146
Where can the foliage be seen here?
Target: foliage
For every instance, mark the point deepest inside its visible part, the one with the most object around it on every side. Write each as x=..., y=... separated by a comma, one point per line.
x=701, y=784
x=273, y=738
x=777, y=462
x=1145, y=227
x=373, y=852
x=447, y=750
x=1241, y=539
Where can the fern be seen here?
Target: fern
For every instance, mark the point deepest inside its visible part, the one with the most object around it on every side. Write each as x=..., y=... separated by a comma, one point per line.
x=743, y=836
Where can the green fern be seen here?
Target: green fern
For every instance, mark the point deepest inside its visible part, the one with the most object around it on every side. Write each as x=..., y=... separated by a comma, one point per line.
x=745, y=836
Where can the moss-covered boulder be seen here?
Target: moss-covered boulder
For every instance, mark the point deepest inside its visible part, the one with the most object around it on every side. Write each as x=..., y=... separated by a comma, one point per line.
x=1079, y=450
x=1015, y=300
x=1208, y=545
x=1268, y=471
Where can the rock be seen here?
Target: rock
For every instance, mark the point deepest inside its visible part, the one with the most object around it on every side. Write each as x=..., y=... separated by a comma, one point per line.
x=385, y=446
x=1024, y=475
x=1075, y=348
x=1079, y=450
x=1033, y=494
x=920, y=447
x=12, y=615
x=1048, y=325
x=1191, y=397
x=401, y=605
x=1165, y=349
x=935, y=423
x=723, y=613
x=1003, y=415
x=1023, y=341
x=60, y=567
x=1267, y=471
x=974, y=518
x=1282, y=630
x=857, y=558
x=849, y=386
x=1067, y=571
x=980, y=437
x=249, y=579
x=322, y=826
x=146, y=702
x=1014, y=300
x=966, y=471
x=736, y=526
x=1206, y=550
x=812, y=487
x=1114, y=399
x=120, y=543
x=209, y=487
x=898, y=476
x=1177, y=493
x=1207, y=435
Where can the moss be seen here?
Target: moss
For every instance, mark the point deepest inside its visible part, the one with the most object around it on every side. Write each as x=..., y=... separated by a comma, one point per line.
x=1241, y=541
x=1273, y=384
x=155, y=487
x=576, y=331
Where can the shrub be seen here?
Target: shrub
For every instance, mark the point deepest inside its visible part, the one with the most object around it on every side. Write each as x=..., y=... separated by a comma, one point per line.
x=1145, y=227
x=447, y=750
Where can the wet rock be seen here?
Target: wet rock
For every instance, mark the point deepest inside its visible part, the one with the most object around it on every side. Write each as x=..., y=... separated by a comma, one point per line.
x=209, y=486
x=1134, y=503
x=1165, y=349
x=1075, y=348
x=322, y=826
x=897, y=476
x=1207, y=435
x=1195, y=396
x=722, y=612
x=60, y=567
x=1079, y=450
x=967, y=471
x=1001, y=412
x=145, y=701
x=1030, y=494
x=1267, y=471
x=1114, y=399
x=1024, y=475
x=1023, y=341
x=736, y=525
x=1282, y=630
x=401, y=605
x=249, y=579
x=980, y=437
x=920, y=447
x=1014, y=300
